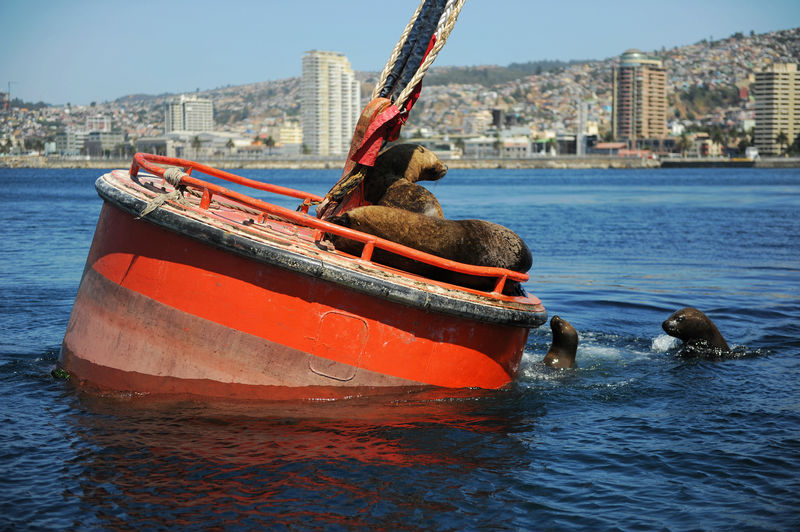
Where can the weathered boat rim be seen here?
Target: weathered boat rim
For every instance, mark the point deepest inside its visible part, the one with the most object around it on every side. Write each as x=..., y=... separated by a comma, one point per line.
x=382, y=287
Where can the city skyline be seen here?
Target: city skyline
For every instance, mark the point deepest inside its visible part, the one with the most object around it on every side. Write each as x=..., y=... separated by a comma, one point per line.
x=87, y=51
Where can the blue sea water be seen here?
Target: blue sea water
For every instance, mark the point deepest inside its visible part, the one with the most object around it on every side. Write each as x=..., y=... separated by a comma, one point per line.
x=637, y=438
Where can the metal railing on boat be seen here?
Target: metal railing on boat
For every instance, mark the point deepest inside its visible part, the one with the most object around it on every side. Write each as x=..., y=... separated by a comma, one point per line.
x=158, y=165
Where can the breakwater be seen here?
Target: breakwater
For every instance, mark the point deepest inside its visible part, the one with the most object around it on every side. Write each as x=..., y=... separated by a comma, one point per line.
x=558, y=162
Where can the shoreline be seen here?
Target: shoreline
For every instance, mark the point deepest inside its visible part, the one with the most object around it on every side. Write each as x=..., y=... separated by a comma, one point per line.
x=568, y=162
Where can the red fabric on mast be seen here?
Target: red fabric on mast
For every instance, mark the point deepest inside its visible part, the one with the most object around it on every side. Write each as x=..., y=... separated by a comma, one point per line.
x=387, y=125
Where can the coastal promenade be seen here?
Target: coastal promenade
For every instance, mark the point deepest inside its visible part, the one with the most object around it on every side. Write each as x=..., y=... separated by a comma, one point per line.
x=562, y=162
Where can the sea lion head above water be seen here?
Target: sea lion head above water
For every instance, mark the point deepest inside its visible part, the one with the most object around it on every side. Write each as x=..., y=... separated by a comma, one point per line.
x=565, y=345
x=698, y=333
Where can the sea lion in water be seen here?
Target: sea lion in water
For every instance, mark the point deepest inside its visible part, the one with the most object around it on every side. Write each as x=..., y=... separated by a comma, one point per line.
x=392, y=181
x=698, y=333
x=565, y=345
x=476, y=242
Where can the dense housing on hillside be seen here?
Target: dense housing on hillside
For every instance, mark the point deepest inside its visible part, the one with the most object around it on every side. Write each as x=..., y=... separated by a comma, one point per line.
x=710, y=109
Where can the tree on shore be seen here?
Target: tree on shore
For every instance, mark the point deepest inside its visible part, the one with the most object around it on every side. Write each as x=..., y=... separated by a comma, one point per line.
x=719, y=138
x=684, y=144
x=459, y=142
x=196, y=144
x=794, y=149
x=744, y=143
x=782, y=139
x=552, y=146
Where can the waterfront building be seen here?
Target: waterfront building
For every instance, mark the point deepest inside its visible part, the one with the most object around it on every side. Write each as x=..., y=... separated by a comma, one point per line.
x=777, y=95
x=71, y=142
x=515, y=147
x=580, y=136
x=639, y=95
x=477, y=122
x=104, y=143
x=288, y=132
x=189, y=113
x=291, y=133
x=331, y=102
x=98, y=122
x=194, y=145
x=481, y=147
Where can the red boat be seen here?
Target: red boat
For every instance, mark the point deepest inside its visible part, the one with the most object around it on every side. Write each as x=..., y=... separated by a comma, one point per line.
x=193, y=288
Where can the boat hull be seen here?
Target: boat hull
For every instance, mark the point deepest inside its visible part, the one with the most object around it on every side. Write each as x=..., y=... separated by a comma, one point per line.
x=160, y=312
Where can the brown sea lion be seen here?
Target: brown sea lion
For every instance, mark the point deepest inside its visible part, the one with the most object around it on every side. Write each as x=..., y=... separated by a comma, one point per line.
x=698, y=333
x=391, y=182
x=476, y=242
x=565, y=345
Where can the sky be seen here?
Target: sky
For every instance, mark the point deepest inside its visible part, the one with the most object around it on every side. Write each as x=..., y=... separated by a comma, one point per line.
x=80, y=51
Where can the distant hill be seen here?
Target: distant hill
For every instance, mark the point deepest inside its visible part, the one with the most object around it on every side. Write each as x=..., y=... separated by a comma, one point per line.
x=490, y=75
x=131, y=98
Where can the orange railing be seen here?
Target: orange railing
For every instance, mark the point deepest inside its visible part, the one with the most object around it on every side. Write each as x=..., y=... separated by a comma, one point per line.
x=301, y=217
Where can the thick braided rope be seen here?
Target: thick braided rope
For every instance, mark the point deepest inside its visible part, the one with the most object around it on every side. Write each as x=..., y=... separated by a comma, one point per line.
x=376, y=92
x=442, y=31
x=448, y=11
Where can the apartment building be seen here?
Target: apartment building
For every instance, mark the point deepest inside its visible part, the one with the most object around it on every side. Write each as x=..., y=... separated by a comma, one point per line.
x=331, y=102
x=71, y=142
x=777, y=94
x=189, y=113
x=639, y=97
x=98, y=122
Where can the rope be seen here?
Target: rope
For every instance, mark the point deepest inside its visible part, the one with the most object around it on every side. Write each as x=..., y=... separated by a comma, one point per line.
x=173, y=176
x=395, y=53
x=418, y=46
x=445, y=23
x=443, y=32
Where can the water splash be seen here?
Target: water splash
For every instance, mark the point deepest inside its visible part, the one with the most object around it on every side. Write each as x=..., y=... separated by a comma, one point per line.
x=663, y=343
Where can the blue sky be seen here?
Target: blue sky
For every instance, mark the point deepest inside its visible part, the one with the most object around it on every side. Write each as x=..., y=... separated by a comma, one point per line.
x=79, y=51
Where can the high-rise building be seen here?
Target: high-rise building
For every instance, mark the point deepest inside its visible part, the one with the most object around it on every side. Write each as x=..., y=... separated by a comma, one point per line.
x=331, y=102
x=189, y=113
x=777, y=94
x=639, y=97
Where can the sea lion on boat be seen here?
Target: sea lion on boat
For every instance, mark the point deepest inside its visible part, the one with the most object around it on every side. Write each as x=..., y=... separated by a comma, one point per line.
x=411, y=197
x=565, y=345
x=392, y=181
x=476, y=242
x=698, y=333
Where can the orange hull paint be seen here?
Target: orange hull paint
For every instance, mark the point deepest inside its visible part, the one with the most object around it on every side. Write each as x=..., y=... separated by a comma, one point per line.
x=161, y=312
